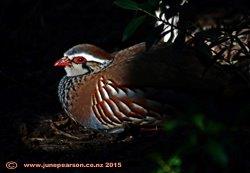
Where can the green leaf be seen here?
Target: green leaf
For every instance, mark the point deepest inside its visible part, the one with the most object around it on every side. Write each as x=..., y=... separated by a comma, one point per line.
x=214, y=127
x=127, y=4
x=170, y=125
x=132, y=27
x=192, y=141
x=153, y=2
x=198, y=120
x=146, y=7
x=175, y=161
x=173, y=165
x=217, y=152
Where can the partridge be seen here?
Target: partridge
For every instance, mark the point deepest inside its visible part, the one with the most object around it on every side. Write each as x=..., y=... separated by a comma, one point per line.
x=108, y=91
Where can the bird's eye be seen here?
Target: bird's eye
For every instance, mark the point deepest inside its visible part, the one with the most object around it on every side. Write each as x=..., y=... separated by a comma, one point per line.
x=79, y=60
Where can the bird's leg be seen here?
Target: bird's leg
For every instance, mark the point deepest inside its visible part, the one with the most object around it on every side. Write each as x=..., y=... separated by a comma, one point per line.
x=64, y=124
x=60, y=132
x=62, y=121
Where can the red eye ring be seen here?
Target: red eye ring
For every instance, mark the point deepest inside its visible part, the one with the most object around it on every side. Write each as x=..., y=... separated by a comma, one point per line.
x=79, y=60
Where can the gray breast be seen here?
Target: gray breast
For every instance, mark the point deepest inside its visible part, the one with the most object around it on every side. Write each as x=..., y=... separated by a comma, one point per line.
x=67, y=85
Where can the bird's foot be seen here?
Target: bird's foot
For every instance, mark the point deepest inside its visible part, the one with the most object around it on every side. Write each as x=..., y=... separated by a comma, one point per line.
x=57, y=131
x=66, y=127
x=62, y=121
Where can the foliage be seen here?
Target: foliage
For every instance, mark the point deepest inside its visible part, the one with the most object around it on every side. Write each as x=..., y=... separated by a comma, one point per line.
x=216, y=34
x=219, y=34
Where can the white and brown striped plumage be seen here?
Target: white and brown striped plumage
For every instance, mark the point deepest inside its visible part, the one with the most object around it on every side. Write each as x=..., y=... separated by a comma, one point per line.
x=106, y=91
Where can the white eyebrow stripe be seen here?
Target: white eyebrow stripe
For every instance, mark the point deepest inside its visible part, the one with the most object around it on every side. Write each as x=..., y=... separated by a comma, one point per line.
x=88, y=57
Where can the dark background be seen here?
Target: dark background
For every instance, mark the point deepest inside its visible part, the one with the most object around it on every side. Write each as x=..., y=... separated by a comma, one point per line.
x=34, y=34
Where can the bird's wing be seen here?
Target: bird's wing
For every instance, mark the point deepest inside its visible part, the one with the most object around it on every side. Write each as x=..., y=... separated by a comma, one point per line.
x=127, y=53
x=114, y=105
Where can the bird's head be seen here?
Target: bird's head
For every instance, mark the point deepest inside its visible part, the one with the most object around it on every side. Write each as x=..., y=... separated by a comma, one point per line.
x=84, y=59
